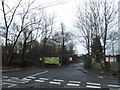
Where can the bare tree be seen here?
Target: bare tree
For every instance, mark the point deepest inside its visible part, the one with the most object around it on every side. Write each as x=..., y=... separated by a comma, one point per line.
x=25, y=23
x=96, y=20
x=47, y=29
x=8, y=21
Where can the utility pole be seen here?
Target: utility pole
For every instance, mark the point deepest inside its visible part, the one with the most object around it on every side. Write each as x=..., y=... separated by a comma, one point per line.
x=119, y=27
x=63, y=41
x=118, y=57
x=0, y=59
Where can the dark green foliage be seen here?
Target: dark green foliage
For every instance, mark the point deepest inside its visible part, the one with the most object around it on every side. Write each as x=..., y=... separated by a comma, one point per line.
x=96, y=48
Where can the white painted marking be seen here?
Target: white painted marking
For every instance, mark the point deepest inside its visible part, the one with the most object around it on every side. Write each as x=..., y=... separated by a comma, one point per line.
x=55, y=82
x=12, y=86
x=39, y=73
x=93, y=86
x=25, y=79
x=70, y=84
x=14, y=78
x=5, y=77
x=12, y=81
x=39, y=81
x=44, y=78
x=113, y=85
x=6, y=83
x=74, y=82
x=31, y=77
x=58, y=80
x=93, y=83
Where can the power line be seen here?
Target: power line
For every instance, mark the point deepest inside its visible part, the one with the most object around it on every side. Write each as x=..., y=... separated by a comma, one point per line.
x=50, y=4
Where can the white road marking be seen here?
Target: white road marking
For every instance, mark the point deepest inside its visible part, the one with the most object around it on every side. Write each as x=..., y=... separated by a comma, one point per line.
x=31, y=77
x=70, y=84
x=12, y=81
x=113, y=85
x=5, y=77
x=55, y=82
x=14, y=78
x=58, y=80
x=11, y=85
x=92, y=86
x=39, y=73
x=44, y=78
x=74, y=82
x=39, y=81
x=93, y=83
x=26, y=79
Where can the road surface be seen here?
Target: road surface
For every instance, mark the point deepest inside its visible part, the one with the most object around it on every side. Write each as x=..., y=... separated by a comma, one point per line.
x=69, y=76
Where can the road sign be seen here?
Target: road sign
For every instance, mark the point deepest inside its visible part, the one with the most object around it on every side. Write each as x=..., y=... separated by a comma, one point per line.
x=70, y=59
x=51, y=60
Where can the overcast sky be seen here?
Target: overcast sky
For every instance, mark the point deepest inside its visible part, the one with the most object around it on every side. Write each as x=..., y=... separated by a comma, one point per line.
x=65, y=11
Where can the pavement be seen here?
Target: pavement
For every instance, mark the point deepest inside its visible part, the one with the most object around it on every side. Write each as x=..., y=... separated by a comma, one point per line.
x=101, y=74
x=71, y=76
x=9, y=70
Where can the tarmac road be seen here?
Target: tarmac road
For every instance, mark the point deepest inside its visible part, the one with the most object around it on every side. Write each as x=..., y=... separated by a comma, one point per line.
x=70, y=76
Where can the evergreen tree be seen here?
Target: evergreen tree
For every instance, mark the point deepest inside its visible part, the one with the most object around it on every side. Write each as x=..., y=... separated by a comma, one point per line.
x=97, y=50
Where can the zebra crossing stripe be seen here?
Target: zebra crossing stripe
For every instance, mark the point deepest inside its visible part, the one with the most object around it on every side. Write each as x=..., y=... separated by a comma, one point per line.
x=93, y=83
x=39, y=81
x=58, y=80
x=11, y=85
x=92, y=86
x=74, y=82
x=43, y=78
x=12, y=81
x=14, y=78
x=26, y=79
x=30, y=77
x=55, y=82
x=70, y=84
x=113, y=85
x=5, y=77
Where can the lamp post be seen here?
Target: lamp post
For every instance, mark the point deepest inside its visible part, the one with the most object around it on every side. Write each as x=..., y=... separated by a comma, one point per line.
x=119, y=27
x=0, y=60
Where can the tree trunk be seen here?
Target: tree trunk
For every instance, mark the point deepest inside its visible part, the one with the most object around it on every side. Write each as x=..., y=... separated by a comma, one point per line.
x=24, y=51
x=6, y=35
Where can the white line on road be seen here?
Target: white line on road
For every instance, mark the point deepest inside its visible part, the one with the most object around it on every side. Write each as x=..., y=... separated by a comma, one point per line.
x=12, y=81
x=5, y=77
x=74, y=82
x=58, y=80
x=11, y=85
x=70, y=84
x=55, y=82
x=14, y=78
x=92, y=86
x=113, y=85
x=26, y=79
x=44, y=78
x=93, y=83
x=39, y=81
x=39, y=73
x=31, y=77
